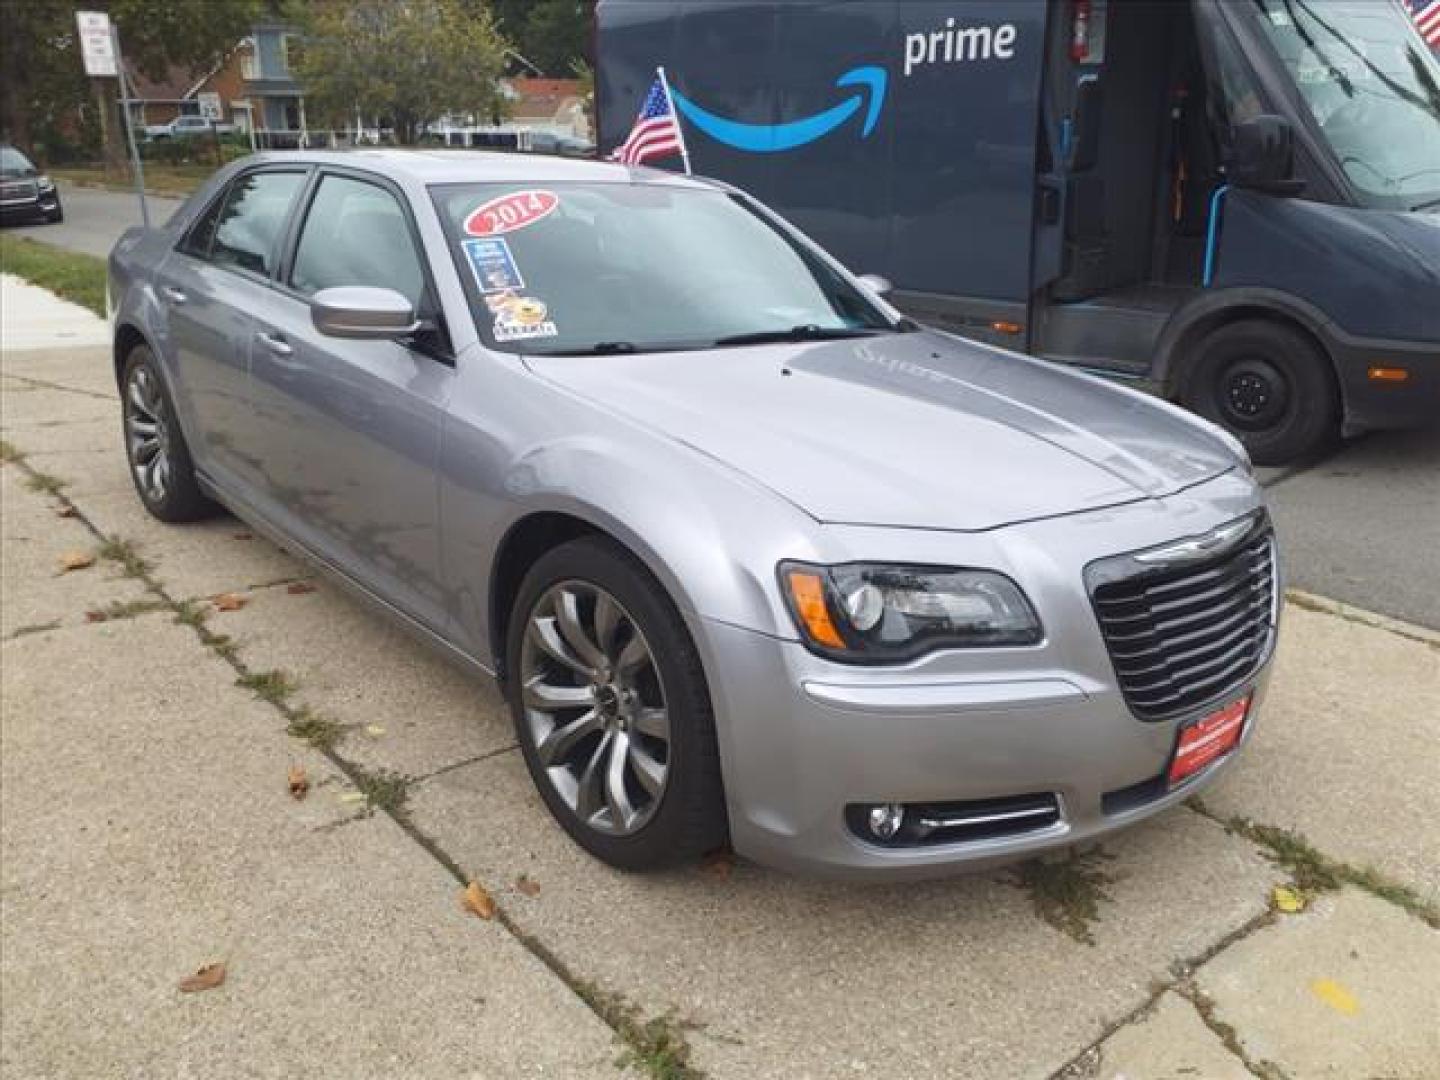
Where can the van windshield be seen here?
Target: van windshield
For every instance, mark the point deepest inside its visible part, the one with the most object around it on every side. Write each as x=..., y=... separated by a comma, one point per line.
x=1372, y=86
x=617, y=268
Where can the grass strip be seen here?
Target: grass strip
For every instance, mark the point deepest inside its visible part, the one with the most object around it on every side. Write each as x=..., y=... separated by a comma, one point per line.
x=76, y=277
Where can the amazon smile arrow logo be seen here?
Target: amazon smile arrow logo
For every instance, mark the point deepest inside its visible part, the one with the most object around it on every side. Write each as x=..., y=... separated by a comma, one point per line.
x=773, y=138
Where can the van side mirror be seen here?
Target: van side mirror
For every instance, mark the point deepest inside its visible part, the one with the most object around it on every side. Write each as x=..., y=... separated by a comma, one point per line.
x=356, y=311
x=1262, y=156
x=878, y=285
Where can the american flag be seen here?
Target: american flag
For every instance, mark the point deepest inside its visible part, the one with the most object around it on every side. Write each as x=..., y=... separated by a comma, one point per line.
x=1427, y=17
x=657, y=131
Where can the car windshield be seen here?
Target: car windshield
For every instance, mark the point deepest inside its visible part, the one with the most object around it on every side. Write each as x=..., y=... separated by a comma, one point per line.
x=1372, y=86
x=609, y=268
x=13, y=162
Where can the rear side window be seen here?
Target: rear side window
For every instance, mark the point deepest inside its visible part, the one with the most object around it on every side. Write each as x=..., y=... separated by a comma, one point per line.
x=252, y=218
x=356, y=233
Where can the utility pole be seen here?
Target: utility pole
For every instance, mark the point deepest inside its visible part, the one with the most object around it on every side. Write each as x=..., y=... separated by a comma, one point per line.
x=100, y=50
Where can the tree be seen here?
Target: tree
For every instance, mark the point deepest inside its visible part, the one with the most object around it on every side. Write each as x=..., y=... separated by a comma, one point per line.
x=42, y=80
x=409, y=61
x=551, y=34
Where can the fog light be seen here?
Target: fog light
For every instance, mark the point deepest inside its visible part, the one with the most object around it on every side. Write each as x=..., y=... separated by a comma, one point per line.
x=886, y=819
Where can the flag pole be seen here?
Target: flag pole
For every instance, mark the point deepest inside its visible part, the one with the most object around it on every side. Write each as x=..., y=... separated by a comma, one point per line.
x=674, y=112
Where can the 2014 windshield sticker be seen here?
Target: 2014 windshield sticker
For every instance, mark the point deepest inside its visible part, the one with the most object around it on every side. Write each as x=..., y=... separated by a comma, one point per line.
x=510, y=212
x=520, y=317
x=493, y=265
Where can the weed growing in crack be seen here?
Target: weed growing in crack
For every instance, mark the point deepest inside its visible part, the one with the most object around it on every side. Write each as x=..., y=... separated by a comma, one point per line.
x=383, y=789
x=1067, y=892
x=125, y=553
x=34, y=628
x=10, y=454
x=128, y=609
x=658, y=1046
x=273, y=686
x=319, y=731
x=45, y=483
x=1226, y=1033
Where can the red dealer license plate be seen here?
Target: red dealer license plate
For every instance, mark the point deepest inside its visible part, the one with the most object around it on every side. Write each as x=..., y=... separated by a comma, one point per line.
x=1208, y=739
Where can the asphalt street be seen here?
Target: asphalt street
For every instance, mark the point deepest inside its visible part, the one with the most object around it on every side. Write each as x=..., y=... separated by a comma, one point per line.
x=1361, y=526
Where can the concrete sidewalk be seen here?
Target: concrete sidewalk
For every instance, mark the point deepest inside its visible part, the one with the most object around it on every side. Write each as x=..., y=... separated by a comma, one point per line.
x=146, y=830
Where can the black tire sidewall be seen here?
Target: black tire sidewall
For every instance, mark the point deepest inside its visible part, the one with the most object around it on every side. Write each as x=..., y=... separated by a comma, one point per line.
x=691, y=816
x=183, y=501
x=1310, y=421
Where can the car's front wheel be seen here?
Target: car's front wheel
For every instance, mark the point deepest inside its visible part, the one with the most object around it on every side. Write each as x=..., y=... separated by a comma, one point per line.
x=611, y=708
x=155, y=447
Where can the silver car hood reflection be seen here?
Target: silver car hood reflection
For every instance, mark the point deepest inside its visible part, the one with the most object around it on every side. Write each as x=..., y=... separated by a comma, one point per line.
x=917, y=430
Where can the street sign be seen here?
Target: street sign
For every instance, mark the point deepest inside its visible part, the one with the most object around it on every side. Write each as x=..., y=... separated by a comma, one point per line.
x=210, y=107
x=97, y=44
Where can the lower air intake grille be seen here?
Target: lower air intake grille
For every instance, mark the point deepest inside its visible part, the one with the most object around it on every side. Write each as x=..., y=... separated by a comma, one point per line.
x=1187, y=622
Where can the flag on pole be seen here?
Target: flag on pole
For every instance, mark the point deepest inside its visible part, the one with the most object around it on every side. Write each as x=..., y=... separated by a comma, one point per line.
x=656, y=133
x=1427, y=18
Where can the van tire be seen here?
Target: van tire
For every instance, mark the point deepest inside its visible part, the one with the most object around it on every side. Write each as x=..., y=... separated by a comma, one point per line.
x=1269, y=386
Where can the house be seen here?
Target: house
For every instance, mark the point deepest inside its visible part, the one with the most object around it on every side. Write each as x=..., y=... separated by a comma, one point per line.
x=541, y=111
x=178, y=93
x=277, y=99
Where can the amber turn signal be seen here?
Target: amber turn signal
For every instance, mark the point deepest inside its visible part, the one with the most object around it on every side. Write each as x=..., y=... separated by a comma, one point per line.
x=807, y=590
x=1389, y=374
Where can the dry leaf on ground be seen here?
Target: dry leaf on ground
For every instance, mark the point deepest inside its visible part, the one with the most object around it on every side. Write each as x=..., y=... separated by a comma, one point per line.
x=299, y=782
x=475, y=899
x=95, y=616
x=65, y=511
x=527, y=885
x=244, y=536
x=1287, y=900
x=374, y=730
x=718, y=864
x=229, y=602
x=207, y=978
x=299, y=588
x=76, y=560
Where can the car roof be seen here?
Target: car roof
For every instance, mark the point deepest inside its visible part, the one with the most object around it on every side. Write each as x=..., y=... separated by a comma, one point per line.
x=481, y=166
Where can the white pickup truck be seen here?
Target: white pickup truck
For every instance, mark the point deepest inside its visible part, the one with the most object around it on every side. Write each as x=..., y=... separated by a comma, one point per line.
x=184, y=127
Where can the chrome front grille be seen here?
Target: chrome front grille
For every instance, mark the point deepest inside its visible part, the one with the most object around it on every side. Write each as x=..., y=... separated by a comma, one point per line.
x=16, y=190
x=1188, y=622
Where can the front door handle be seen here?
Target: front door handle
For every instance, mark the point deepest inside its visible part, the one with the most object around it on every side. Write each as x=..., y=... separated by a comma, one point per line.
x=277, y=345
x=174, y=295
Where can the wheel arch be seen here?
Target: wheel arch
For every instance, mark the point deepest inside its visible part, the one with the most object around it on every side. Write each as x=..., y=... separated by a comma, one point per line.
x=127, y=336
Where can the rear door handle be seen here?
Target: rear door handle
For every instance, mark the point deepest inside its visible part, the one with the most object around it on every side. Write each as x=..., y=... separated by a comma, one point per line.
x=275, y=344
x=174, y=295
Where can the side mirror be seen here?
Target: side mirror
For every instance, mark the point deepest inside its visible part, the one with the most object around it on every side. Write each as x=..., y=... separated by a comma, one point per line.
x=356, y=311
x=1262, y=156
x=880, y=286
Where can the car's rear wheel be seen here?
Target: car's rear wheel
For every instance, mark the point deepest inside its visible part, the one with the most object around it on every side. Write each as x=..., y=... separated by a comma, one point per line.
x=1269, y=386
x=155, y=447
x=611, y=708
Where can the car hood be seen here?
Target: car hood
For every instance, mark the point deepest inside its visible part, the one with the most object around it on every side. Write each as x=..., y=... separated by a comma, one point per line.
x=920, y=430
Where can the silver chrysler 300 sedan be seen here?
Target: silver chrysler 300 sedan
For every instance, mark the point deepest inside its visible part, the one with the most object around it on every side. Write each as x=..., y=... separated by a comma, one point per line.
x=755, y=557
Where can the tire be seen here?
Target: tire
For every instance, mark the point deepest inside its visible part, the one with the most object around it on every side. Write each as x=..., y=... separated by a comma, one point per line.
x=1269, y=386
x=615, y=709
x=56, y=216
x=155, y=447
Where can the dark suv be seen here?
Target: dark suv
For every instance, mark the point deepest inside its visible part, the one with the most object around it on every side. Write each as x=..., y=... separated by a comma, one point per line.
x=24, y=190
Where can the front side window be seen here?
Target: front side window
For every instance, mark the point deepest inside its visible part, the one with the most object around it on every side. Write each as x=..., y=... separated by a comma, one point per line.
x=356, y=233
x=639, y=267
x=14, y=163
x=252, y=218
x=1372, y=87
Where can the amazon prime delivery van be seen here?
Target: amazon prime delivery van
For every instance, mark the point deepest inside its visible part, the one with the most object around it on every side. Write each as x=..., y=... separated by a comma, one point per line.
x=1237, y=203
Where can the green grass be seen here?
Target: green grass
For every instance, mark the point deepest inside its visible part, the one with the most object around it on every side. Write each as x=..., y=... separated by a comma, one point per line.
x=273, y=686
x=1067, y=891
x=80, y=278
x=161, y=178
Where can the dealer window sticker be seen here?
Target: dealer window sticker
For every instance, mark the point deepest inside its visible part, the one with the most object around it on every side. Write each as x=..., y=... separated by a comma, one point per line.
x=507, y=213
x=493, y=265
x=519, y=318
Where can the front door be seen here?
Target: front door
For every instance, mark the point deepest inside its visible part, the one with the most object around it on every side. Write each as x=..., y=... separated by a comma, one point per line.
x=352, y=427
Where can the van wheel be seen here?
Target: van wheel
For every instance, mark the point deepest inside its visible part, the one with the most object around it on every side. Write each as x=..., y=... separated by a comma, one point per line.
x=1267, y=385
x=611, y=708
x=155, y=447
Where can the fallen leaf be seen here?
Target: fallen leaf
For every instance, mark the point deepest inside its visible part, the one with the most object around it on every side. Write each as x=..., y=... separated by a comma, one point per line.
x=299, y=588
x=95, y=616
x=244, y=536
x=65, y=511
x=353, y=796
x=299, y=782
x=1335, y=995
x=475, y=899
x=207, y=978
x=527, y=885
x=718, y=864
x=76, y=560
x=374, y=730
x=1287, y=900
x=229, y=602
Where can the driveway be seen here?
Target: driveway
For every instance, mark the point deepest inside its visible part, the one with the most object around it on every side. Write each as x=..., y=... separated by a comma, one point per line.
x=155, y=700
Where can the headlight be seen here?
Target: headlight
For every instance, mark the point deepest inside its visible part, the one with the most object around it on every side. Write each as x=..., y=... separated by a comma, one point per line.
x=44, y=183
x=882, y=613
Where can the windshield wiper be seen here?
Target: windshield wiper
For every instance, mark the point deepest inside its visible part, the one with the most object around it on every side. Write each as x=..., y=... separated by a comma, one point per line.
x=1426, y=205
x=806, y=332
x=600, y=348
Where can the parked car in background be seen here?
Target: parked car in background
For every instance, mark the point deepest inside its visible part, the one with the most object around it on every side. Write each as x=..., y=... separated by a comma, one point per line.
x=754, y=556
x=25, y=192
x=183, y=127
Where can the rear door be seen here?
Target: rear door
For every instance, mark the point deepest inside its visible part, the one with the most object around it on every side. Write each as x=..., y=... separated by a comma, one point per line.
x=349, y=430
x=208, y=286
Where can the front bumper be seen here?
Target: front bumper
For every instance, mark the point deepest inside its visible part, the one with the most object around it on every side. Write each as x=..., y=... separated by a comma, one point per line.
x=1375, y=404
x=802, y=737
x=41, y=207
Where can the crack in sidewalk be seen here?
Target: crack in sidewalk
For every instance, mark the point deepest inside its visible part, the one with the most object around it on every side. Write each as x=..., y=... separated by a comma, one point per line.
x=42, y=384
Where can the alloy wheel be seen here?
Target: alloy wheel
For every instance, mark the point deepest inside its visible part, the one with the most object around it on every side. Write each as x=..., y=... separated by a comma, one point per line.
x=594, y=707
x=147, y=434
